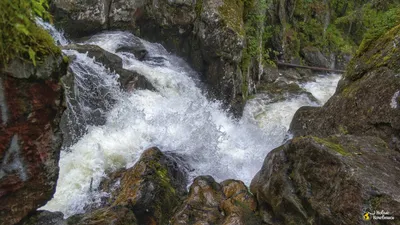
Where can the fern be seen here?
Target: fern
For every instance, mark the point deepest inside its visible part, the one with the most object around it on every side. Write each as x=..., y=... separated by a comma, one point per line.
x=20, y=36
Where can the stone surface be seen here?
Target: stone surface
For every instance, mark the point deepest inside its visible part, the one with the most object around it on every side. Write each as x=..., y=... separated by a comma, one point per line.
x=81, y=18
x=116, y=215
x=31, y=104
x=314, y=57
x=332, y=180
x=45, y=218
x=152, y=188
x=208, y=202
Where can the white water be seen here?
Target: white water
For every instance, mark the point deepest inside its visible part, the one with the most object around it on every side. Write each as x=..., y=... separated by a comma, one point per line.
x=177, y=118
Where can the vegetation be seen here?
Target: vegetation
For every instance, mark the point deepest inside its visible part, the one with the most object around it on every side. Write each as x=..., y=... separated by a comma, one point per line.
x=20, y=36
x=335, y=26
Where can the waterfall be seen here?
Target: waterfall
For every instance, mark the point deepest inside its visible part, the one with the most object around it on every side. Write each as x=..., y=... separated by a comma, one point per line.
x=177, y=117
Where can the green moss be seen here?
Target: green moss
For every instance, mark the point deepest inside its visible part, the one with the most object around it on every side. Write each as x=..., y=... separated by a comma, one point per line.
x=343, y=130
x=20, y=36
x=331, y=145
x=65, y=59
x=231, y=12
x=350, y=90
x=199, y=7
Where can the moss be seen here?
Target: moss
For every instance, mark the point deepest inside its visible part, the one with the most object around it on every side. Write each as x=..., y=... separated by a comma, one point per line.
x=343, y=130
x=65, y=59
x=231, y=12
x=350, y=90
x=331, y=145
x=199, y=7
x=20, y=35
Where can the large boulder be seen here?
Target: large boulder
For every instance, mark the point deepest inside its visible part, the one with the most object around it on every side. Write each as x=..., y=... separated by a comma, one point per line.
x=80, y=18
x=151, y=189
x=209, y=202
x=31, y=104
x=367, y=99
x=334, y=180
x=314, y=57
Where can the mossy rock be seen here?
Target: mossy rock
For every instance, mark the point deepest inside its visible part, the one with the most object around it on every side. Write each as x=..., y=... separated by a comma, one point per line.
x=312, y=180
x=152, y=188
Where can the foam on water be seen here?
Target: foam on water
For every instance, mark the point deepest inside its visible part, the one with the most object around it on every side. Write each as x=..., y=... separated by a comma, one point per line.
x=177, y=117
x=323, y=87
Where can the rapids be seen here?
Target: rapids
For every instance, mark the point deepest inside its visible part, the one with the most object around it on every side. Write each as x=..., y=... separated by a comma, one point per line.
x=177, y=118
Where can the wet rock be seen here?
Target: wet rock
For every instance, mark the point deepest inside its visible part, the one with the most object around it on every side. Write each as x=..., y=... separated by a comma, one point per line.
x=314, y=57
x=152, y=188
x=31, y=104
x=202, y=204
x=365, y=102
x=129, y=79
x=45, y=218
x=81, y=18
x=281, y=90
x=239, y=206
x=123, y=14
x=116, y=215
x=208, y=202
x=332, y=180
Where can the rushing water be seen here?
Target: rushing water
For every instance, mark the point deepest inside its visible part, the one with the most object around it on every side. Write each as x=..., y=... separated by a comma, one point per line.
x=177, y=117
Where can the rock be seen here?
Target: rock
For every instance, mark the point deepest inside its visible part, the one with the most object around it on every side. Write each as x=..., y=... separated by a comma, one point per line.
x=366, y=101
x=202, y=204
x=281, y=90
x=45, y=218
x=129, y=79
x=152, y=188
x=314, y=57
x=332, y=180
x=123, y=14
x=228, y=203
x=116, y=215
x=240, y=205
x=81, y=18
x=270, y=74
x=31, y=104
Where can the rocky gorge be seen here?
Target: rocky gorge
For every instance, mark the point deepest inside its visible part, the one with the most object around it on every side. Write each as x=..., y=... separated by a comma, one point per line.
x=87, y=119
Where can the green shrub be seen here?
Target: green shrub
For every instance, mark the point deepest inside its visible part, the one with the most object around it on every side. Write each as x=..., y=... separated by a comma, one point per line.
x=378, y=23
x=20, y=36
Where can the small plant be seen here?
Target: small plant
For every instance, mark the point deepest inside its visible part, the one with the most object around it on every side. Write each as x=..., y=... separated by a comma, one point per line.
x=20, y=36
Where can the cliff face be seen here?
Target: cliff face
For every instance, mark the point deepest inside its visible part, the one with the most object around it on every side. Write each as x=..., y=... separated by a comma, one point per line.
x=342, y=162
x=31, y=104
